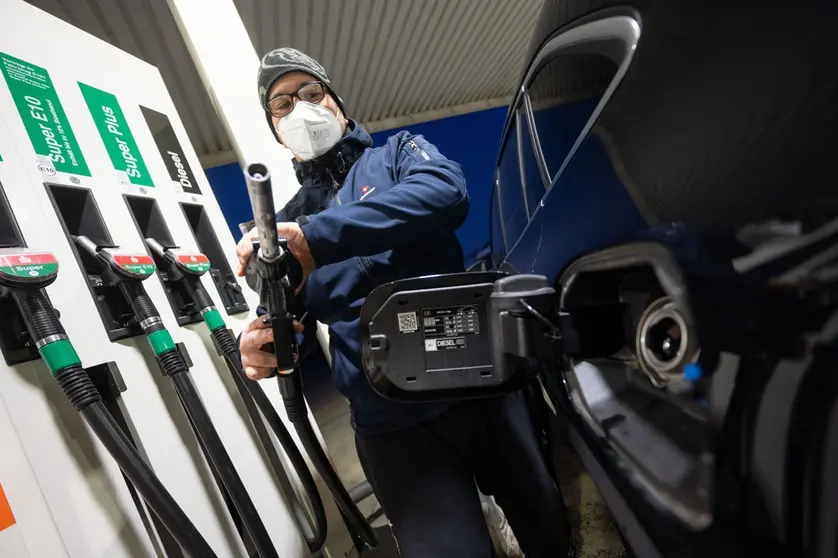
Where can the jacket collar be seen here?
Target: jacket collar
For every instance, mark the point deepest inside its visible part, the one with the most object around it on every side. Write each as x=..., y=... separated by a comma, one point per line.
x=335, y=163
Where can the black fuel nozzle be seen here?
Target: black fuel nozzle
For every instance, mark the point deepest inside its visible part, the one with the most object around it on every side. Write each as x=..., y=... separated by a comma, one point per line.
x=24, y=274
x=126, y=271
x=267, y=273
x=179, y=263
x=117, y=266
x=187, y=267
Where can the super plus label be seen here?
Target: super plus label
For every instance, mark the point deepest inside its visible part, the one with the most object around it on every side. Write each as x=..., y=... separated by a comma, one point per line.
x=28, y=264
x=198, y=263
x=138, y=264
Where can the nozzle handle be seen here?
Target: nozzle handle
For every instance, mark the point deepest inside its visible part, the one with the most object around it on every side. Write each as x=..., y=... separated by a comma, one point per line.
x=259, y=190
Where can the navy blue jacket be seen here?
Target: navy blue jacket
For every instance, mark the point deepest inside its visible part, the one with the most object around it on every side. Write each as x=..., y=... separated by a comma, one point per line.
x=371, y=216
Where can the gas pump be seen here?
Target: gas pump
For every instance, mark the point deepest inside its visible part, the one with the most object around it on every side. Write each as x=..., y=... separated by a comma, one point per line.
x=126, y=271
x=24, y=274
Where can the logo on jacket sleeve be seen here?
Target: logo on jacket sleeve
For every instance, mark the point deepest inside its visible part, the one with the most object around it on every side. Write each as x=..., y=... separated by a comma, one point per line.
x=366, y=190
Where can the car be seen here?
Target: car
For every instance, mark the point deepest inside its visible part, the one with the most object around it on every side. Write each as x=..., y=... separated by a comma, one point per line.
x=670, y=164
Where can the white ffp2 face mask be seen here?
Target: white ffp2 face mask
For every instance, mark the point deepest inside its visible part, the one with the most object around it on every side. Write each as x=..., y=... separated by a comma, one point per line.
x=309, y=130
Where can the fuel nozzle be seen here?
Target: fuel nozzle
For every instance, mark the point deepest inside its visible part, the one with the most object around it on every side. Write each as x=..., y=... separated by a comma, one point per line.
x=179, y=263
x=272, y=272
x=187, y=267
x=117, y=265
x=268, y=274
x=126, y=271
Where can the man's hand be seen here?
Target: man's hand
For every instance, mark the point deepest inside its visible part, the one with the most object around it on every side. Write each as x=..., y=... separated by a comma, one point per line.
x=296, y=243
x=257, y=363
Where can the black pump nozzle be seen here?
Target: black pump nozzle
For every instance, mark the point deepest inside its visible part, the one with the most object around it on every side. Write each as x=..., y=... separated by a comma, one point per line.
x=268, y=269
x=117, y=266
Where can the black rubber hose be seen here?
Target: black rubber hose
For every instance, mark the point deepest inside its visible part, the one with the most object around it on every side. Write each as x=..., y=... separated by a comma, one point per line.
x=39, y=314
x=361, y=491
x=249, y=388
x=175, y=368
x=298, y=414
x=200, y=296
x=79, y=388
x=342, y=498
x=136, y=295
x=144, y=480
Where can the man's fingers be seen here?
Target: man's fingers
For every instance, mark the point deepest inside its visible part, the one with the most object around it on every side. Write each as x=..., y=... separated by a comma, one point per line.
x=244, y=249
x=298, y=327
x=256, y=338
x=259, y=323
x=258, y=359
x=256, y=373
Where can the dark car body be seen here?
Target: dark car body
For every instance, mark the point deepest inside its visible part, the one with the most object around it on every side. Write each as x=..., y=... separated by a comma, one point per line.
x=710, y=128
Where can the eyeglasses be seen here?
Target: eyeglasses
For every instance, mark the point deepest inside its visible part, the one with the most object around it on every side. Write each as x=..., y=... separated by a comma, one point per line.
x=311, y=92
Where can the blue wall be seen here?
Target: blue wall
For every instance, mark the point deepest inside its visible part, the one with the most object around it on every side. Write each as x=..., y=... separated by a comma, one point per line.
x=471, y=139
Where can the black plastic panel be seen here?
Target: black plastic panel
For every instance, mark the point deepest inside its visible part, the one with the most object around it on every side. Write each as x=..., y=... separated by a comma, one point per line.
x=79, y=215
x=150, y=224
x=228, y=288
x=9, y=233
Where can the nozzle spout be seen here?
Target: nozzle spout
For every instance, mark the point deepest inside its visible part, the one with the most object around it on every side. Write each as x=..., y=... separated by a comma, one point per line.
x=86, y=244
x=155, y=247
x=261, y=200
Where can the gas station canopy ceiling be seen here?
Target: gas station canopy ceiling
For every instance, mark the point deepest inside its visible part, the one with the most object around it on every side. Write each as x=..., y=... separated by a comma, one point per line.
x=392, y=62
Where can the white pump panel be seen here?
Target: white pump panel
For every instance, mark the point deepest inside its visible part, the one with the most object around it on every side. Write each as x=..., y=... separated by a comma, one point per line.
x=67, y=494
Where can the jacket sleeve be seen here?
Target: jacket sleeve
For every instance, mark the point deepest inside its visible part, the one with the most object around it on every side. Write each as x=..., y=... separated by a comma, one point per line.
x=429, y=201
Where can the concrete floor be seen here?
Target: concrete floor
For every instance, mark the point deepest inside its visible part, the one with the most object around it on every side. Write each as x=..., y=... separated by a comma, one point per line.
x=594, y=532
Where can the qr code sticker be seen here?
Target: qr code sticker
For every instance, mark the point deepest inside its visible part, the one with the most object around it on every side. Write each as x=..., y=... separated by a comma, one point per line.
x=408, y=322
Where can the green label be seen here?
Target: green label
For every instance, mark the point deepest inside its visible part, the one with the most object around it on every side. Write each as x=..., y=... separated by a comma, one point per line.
x=29, y=270
x=139, y=269
x=42, y=114
x=116, y=135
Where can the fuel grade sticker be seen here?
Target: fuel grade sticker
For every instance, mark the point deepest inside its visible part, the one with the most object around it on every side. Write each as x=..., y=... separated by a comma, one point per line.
x=445, y=344
x=198, y=263
x=137, y=264
x=29, y=264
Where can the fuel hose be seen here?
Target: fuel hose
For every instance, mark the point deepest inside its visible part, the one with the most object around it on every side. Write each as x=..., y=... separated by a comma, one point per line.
x=247, y=388
x=65, y=366
x=175, y=367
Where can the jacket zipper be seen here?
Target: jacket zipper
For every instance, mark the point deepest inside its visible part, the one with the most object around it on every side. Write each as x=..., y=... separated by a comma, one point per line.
x=341, y=164
x=415, y=147
x=335, y=187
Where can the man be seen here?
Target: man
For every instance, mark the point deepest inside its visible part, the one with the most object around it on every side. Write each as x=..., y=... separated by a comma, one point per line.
x=365, y=216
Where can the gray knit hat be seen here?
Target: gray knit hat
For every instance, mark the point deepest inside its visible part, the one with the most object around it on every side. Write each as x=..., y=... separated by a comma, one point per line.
x=281, y=61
